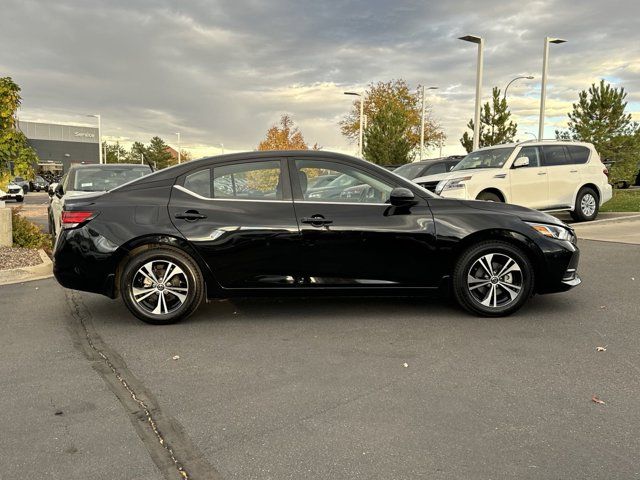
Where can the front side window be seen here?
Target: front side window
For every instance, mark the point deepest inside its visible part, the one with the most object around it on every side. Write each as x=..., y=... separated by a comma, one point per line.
x=350, y=185
x=555, y=155
x=532, y=153
x=488, y=158
x=251, y=181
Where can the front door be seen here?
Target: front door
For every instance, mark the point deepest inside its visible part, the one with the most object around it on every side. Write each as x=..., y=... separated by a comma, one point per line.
x=530, y=185
x=239, y=216
x=353, y=237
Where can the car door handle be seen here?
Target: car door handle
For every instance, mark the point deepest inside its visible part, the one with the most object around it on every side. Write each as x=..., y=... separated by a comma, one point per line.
x=316, y=221
x=573, y=171
x=190, y=216
x=542, y=173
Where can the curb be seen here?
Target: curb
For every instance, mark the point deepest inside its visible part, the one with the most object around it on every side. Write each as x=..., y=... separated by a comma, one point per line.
x=28, y=274
x=621, y=219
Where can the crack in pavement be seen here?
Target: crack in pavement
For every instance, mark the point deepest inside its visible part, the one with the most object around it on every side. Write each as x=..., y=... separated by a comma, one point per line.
x=166, y=445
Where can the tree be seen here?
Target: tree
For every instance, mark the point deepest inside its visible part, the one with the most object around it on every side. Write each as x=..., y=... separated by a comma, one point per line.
x=599, y=117
x=158, y=155
x=495, y=124
x=284, y=137
x=137, y=152
x=397, y=96
x=387, y=139
x=16, y=156
x=115, y=153
x=185, y=155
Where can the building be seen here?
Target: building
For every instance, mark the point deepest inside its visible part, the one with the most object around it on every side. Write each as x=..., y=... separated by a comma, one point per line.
x=60, y=146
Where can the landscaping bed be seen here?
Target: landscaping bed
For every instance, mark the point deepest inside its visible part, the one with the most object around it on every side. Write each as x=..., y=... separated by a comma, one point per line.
x=18, y=258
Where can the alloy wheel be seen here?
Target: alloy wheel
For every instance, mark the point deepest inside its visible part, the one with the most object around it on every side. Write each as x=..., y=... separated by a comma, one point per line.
x=588, y=204
x=495, y=280
x=160, y=287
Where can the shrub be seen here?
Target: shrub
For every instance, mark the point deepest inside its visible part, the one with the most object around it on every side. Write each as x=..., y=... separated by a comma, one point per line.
x=28, y=235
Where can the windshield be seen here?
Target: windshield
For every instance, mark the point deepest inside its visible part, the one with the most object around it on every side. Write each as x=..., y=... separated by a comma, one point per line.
x=410, y=170
x=102, y=179
x=489, y=158
x=342, y=181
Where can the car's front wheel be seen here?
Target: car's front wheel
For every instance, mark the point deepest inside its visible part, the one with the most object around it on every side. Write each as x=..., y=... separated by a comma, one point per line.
x=493, y=279
x=162, y=285
x=587, y=205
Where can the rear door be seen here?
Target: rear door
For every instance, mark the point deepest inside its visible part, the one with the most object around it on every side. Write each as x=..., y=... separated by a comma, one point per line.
x=530, y=185
x=564, y=176
x=239, y=216
x=355, y=238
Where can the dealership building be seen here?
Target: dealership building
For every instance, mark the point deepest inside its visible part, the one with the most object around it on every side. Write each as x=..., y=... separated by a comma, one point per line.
x=60, y=146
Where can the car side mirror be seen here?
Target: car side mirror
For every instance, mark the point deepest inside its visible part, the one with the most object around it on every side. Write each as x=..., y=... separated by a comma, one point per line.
x=521, y=162
x=401, y=196
x=59, y=191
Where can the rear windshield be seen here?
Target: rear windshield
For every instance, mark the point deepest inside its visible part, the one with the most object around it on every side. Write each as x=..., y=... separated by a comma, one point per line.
x=102, y=179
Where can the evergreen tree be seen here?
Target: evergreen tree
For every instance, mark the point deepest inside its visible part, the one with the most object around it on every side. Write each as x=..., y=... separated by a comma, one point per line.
x=599, y=117
x=386, y=140
x=158, y=154
x=495, y=124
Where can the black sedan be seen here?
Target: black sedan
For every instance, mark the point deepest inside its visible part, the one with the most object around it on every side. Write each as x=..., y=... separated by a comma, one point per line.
x=245, y=224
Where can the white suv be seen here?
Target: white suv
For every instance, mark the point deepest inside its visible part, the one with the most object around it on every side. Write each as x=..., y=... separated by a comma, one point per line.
x=546, y=175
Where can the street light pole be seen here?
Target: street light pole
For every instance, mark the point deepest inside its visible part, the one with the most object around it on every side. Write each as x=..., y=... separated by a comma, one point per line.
x=179, y=158
x=422, y=121
x=528, y=77
x=361, y=119
x=543, y=88
x=99, y=136
x=476, y=117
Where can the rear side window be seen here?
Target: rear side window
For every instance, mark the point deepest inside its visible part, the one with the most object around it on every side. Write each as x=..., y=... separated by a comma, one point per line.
x=252, y=181
x=578, y=154
x=555, y=155
x=199, y=182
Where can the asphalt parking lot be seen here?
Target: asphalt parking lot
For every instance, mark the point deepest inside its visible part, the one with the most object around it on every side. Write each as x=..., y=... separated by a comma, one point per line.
x=291, y=389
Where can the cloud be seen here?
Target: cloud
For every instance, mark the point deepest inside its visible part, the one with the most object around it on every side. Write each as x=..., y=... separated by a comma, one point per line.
x=224, y=71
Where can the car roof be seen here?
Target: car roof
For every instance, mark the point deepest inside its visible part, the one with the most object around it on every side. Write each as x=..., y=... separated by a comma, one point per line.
x=536, y=143
x=450, y=158
x=107, y=166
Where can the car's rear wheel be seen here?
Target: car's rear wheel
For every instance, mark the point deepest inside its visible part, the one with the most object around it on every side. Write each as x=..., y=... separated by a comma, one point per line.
x=161, y=285
x=587, y=205
x=489, y=197
x=493, y=279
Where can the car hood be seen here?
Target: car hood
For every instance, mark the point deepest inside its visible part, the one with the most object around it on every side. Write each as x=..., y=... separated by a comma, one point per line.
x=456, y=174
x=524, y=213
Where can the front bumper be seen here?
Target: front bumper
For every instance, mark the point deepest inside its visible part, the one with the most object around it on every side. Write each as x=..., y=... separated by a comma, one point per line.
x=559, y=270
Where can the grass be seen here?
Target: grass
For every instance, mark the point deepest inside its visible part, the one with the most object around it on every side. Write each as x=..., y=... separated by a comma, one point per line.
x=623, y=201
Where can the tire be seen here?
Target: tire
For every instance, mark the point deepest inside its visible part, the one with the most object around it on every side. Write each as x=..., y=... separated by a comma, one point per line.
x=587, y=205
x=155, y=303
x=477, y=292
x=489, y=197
x=20, y=199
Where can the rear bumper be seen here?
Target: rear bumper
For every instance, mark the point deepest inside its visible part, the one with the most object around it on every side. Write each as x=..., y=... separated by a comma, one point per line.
x=607, y=193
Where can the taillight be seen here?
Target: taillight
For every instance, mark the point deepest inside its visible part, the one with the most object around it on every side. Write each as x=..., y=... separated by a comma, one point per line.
x=72, y=219
x=606, y=172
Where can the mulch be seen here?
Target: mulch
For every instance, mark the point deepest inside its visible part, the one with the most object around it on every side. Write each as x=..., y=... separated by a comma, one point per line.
x=18, y=258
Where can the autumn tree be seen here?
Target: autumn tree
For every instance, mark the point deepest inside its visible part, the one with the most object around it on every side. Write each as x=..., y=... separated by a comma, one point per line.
x=16, y=156
x=387, y=139
x=393, y=96
x=600, y=117
x=496, y=126
x=284, y=136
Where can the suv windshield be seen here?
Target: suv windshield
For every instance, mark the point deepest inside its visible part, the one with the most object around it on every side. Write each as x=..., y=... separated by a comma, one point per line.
x=409, y=170
x=101, y=179
x=489, y=158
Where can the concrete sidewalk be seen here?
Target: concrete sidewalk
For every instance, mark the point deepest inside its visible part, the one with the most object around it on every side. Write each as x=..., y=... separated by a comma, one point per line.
x=623, y=229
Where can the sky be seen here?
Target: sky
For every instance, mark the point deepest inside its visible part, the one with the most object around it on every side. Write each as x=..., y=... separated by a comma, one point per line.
x=222, y=72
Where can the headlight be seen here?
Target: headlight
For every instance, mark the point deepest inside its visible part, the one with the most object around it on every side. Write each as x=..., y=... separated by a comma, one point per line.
x=553, y=231
x=451, y=184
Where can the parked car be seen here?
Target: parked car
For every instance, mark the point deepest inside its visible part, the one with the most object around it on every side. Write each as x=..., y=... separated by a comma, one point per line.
x=13, y=192
x=82, y=179
x=163, y=246
x=547, y=175
x=38, y=183
x=333, y=189
x=428, y=167
x=320, y=181
x=24, y=184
